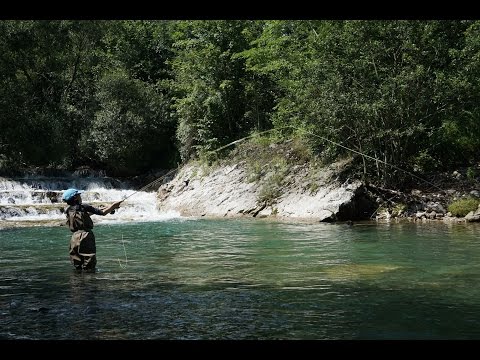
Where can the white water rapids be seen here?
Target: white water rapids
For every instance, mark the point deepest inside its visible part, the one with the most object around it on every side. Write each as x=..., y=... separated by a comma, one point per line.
x=39, y=199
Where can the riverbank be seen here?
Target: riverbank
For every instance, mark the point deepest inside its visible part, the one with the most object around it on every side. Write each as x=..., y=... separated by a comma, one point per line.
x=306, y=193
x=277, y=183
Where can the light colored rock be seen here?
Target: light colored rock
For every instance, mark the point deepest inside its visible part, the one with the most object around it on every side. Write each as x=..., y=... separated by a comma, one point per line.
x=224, y=192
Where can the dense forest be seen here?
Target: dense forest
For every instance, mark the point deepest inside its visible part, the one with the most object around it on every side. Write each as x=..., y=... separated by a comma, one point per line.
x=130, y=96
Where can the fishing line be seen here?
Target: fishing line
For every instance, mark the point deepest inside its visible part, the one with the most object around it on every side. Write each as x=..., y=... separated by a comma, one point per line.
x=125, y=251
x=246, y=137
x=150, y=184
x=369, y=157
x=158, y=180
x=337, y=144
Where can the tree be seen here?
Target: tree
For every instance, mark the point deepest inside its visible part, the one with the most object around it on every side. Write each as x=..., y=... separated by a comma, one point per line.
x=381, y=88
x=212, y=104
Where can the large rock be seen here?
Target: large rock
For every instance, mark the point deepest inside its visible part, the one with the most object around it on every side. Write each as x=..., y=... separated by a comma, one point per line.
x=473, y=216
x=225, y=191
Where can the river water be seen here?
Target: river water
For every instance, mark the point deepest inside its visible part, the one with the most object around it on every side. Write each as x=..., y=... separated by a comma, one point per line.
x=186, y=278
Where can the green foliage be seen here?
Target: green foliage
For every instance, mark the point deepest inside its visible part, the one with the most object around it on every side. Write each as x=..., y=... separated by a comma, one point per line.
x=35, y=75
x=142, y=48
x=382, y=88
x=254, y=170
x=424, y=162
x=263, y=140
x=269, y=192
x=272, y=184
x=267, y=163
x=472, y=173
x=54, y=93
x=301, y=150
x=214, y=92
x=131, y=95
x=130, y=132
x=462, y=207
x=399, y=209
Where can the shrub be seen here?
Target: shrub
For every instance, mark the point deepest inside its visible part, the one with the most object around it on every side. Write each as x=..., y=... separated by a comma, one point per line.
x=471, y=173
x=462, y=207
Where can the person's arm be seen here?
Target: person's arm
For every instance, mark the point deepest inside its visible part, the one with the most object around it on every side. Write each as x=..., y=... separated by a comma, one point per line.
x=103, y=212
x=112, y=207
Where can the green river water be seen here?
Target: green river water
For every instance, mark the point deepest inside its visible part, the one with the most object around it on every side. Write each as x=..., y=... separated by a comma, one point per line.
x=244, y=279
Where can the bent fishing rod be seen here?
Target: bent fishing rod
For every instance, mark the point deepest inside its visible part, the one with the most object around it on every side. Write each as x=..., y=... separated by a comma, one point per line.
x=158, y=180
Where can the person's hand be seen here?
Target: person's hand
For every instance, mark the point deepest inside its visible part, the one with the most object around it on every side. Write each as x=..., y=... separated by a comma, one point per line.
x=116, y=205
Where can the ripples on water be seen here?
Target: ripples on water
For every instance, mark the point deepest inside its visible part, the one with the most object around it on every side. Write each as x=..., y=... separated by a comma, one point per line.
x=244, y=279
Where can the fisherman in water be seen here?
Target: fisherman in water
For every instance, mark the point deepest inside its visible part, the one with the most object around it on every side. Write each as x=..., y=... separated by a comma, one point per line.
x=82, y=244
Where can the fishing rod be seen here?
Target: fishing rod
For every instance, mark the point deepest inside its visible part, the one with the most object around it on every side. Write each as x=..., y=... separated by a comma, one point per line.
x=150, y=184
x=154, y=182
x=158, y=180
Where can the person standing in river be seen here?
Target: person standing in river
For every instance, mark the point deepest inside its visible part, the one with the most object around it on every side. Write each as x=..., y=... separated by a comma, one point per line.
x=82, y=244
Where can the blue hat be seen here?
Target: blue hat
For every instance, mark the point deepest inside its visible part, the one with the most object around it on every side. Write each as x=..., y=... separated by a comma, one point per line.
x=70, y=193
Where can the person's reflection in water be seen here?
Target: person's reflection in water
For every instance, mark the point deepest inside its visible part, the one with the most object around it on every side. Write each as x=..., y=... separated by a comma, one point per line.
x=83, y=299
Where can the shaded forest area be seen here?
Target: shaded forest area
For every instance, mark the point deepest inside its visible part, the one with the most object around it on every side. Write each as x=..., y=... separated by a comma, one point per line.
x=131, y=96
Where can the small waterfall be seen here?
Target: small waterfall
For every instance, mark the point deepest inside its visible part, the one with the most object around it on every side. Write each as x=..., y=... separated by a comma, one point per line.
x=38, y=199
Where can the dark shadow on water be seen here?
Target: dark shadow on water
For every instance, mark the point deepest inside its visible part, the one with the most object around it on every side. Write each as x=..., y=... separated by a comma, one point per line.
x=90, y=307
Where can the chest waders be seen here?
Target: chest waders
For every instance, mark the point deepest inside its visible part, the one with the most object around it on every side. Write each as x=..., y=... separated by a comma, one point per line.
x=82, y=249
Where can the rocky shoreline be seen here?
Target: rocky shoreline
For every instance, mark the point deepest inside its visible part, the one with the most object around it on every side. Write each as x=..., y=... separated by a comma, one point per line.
x=225, y=191
x=421, y=206
x=303, y=193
